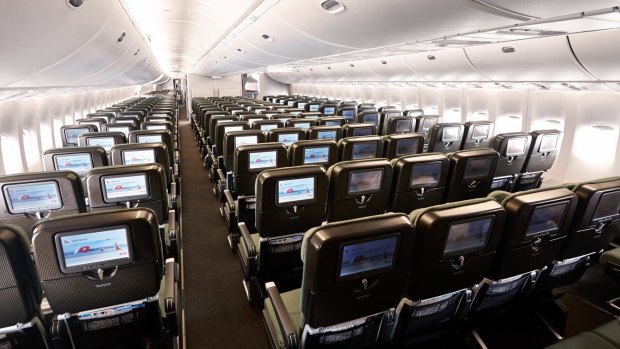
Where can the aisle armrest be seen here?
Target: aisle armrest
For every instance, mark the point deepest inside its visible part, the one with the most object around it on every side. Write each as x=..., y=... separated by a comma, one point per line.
x=285, y=324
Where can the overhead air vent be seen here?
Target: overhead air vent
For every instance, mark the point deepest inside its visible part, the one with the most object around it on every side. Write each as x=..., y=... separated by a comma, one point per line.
x=352, y=65
x=383, y=61
x=135, y=54
x=240, y=50
x=122, y=37
x=508, y=49
x=75, y=3
x=430, y=57
x=267, y=37
x=333, y=7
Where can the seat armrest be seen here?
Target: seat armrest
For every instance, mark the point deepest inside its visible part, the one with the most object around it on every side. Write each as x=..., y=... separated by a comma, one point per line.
x=172, y=228
x=230, y=200
x=246, y=239
x=170, y=296
x=285, y=324
x=220, y=174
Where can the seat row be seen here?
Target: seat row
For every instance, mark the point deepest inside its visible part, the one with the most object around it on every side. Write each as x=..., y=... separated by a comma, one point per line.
x=449, y=260
x=97, y=280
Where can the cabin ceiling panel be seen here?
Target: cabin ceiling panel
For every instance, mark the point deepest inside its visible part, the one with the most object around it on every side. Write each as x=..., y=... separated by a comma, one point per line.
x=548, y=8
x=598, y=52
x=58, y=45
x=542, y=59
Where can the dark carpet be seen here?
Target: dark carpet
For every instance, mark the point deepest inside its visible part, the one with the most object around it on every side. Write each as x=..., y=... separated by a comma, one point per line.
x=217, y=313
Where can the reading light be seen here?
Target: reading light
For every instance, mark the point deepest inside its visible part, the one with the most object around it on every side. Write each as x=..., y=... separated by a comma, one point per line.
x=267, y=37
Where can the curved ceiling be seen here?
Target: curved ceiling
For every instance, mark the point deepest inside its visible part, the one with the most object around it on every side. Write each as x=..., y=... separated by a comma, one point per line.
x=215, y=38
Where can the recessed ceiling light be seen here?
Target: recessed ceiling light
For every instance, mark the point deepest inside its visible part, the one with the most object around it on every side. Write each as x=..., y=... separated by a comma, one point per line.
x=333, y=7
x=267, y=37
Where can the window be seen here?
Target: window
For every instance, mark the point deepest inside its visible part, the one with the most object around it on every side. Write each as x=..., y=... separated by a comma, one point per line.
x=452, y=115
x=479, y=116
x=508, y=123
x=57, y=124
x=596, y=145
x=47, y=136
x=11, y=157
x=31, y=149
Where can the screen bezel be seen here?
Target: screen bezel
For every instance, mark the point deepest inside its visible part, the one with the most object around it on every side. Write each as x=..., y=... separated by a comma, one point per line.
x=529, y=236
x=371, y=272
x=368, y=191
x=9, y=202
x=295, y=203
x=108, y=200
x=462, y=252
x=106, y=265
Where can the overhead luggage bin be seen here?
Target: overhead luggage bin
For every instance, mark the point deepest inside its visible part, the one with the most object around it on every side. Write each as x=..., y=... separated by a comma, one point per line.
x=444, y=65
x=598, y=52
x=543, y=59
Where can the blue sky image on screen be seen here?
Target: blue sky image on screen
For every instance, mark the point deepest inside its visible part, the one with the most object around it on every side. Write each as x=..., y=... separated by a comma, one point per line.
x=288, y=138
x=156, y=127
x=467, y=237
x=149, y=138
x=314, y=107
x=363, y=181
x=291, y=190
x=329, y=111
x=316, y=155
x=301, y=105
x=142, y=156
x=93, y=248
x=302, y=125
x=263, y=159
x=33, y=197
x=371, y=119
x=105, y=142
x=119, y=187
x=72, y=134
x=332, y=123
x=245, y=140
x=326, y=135
x=367, y=256
x=78, y=163
x=364, y=150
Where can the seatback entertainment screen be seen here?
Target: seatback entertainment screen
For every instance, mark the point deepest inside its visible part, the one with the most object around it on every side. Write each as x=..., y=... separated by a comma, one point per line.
x=364, y=150
x=124, y=188
x=262, y=160
x=466, y=237
x=295, y=191
x=139, y=156
x=32, y=197
x=359, y=258
x=79, y=163
x=316, y=155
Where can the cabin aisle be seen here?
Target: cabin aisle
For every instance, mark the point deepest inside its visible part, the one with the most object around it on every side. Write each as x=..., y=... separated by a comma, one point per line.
x=217, y=314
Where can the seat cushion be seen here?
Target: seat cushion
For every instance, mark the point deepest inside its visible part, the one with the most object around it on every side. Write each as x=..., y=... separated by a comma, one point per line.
x=606, y=336
x=292, y=303
x=611, y=256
